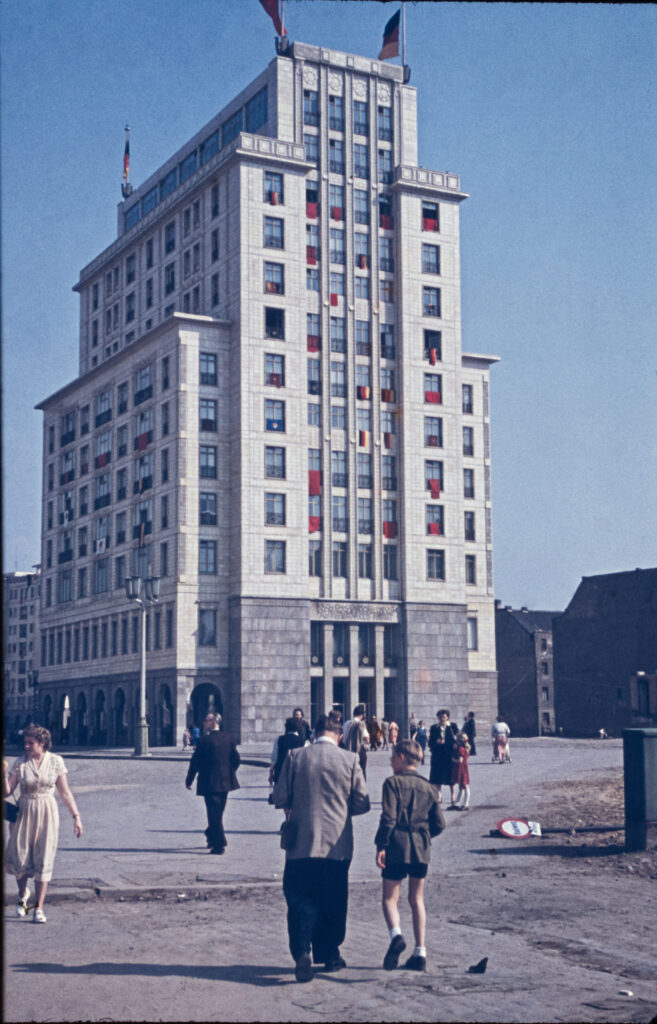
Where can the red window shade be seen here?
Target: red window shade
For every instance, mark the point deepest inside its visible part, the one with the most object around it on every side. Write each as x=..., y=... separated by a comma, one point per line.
x=433, y=355
x=363, y=392
x=429, y=224
x=313, y=343
x=314, y=481
x=311, y=210
x=311, y=255
x=313, y=524
x=434, y=528
x=334, y=299
x=434, y=487
x=433, y=397
x=102, y=459
x=273, y=198
x=387, y=440
x=362, y=261
x=432, y=441
x=275, y=380
x=386, y=221
x=389, y=530
x=271, y=286
x=336, y=212
x=142, y=442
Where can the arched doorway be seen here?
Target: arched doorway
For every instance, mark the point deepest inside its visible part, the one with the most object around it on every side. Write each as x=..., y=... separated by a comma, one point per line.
x=121, y=738
x=164, y=718
x=100, y=721
x=206, y=697
x=81, y=721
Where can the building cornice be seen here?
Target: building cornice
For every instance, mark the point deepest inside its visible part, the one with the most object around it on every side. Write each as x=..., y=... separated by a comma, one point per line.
x=422, y=179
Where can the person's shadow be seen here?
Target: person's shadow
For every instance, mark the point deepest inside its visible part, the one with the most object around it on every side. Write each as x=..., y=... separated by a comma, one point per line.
x=240, y=974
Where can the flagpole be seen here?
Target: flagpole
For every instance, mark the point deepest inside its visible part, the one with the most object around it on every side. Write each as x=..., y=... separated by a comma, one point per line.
x=282, y=18
x=403, y=33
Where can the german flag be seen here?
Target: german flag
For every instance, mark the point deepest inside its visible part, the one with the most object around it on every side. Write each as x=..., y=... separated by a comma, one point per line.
x=390, y=46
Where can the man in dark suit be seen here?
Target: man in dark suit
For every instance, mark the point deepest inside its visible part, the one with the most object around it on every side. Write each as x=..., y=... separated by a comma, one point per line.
x=320, y=787
x=215, y=760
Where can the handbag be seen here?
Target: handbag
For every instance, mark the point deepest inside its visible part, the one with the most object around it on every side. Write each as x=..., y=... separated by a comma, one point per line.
x=11, y=812
x=289, y=832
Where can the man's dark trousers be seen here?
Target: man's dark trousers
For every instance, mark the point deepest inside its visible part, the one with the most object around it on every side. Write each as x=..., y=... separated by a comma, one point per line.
x=215, y=805
x=317, y=891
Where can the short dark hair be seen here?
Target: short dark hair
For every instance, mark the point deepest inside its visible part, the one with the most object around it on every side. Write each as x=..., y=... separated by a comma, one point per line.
x=335, y=715
x=411, y=750
x=327, y=724
x=359, y=710
x=442, y=711
x=300, y=710
x=290, y=725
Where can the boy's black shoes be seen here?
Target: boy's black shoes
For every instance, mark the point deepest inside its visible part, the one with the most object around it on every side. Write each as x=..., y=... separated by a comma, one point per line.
x=303, y=969
x=336, y=963
x=395, y=950
x=416, y=963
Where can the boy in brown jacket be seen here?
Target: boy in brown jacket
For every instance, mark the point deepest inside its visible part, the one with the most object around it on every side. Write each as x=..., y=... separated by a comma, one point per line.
x=410, y=817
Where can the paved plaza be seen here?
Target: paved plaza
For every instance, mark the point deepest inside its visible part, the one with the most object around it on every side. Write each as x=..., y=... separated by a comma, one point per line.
x=144, y=924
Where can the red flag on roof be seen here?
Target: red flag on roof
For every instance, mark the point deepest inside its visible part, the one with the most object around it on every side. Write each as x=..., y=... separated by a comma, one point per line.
x=390, y=38
x=271, y=7
x=126, y=159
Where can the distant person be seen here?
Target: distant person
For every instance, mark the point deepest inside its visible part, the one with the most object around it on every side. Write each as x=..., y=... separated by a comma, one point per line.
x=460, y=772
x=412, y=726
x=356, y=736
x=500, y=734
x=290, y=740
x=33, y=837
x=374, y=731
x=303, y=728
x=186, y=739
x=196, y=735
x=602, y=733
x=410, y=817
x=337, y=718
x=441, y=742
x=470, y=730
x=320, y=787
x=421, y=737
x=385, y=728
x=393, y=733
x=215, y=761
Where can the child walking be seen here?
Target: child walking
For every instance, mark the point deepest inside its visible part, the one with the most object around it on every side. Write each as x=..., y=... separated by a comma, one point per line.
x=410, y=817
x=461, y=772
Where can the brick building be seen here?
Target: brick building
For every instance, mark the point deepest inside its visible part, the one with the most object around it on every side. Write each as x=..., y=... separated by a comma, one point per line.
x=275, y=416
x=605, y=655
x=525, y=679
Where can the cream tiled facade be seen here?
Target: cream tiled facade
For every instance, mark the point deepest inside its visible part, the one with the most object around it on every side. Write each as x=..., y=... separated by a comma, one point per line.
x=20, y=615
x=276, y=414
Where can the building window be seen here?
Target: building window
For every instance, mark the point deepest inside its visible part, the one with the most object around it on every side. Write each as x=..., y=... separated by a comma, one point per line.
x=336, y=156
x=274, y=556
x=336, y=285
x=364, y=515
x=433, y=432
x=386, y=290
x=274, y=415
x=338, y=417
x=387, y=341
x=336, y=246
x=385, y=166
x=338, y=334
x=207, y=627
x=170, y=237
x=207, y=557
x=314, y=414
x=336, y=113
x=390, y=561
x=361, y=160
x=435, y=564
x=471, y=569
x=274, y=280
x=467, y=403
x=431, y=301
x=469, y=525
x=430, y=259
x=338, y=380
x=340, y=520
x=433, y=346
x=256, y=111
x=472, y=635
x=207, y=414
x=384, y=124
x=361, y=206
x=311, y=142
x=274, y=370
x=208, y=368
x=363, y=345
x=361, y=126
x=386, y=259
x=274, y=323
x=169, y=278
x=435, y=520
x=468, y=483
x=214, y=246
x=389, y=472
x=275, y=509
x=430, y=218
x=468, y=441
x=314, y=383
x=207, y=508
x=433, y=388
x=339, y=558
x=101, y=576
x=273, y=233
x=365, y=561
x=274, y=463
x=315, y=558
x=339, y=468
x=310, y=107
x=208, y=461
x=362, y=287
x=312, y=279
x=273, y=188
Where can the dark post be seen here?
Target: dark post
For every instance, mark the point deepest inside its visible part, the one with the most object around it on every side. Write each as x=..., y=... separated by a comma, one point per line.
x=640, y=769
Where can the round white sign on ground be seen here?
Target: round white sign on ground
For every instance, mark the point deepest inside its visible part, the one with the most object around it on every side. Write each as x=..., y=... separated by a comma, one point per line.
x=514, y=828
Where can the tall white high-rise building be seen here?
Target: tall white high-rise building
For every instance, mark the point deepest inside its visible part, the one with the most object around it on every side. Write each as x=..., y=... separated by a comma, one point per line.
x=274, y=415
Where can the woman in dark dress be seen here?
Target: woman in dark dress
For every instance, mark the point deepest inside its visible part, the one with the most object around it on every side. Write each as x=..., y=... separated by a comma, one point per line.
x=441, y=743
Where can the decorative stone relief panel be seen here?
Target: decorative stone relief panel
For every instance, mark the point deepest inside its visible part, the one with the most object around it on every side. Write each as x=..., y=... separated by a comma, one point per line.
x=335, y=83
x=360, y=88
x=310, y=78
x=354, y=612
x=384, y=93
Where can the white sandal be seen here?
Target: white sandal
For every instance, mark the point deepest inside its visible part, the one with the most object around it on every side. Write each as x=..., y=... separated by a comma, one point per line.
x=21, y=906
x=39, y=916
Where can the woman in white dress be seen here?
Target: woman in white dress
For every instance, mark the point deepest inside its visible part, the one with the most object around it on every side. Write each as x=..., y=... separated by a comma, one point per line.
x=33, y=837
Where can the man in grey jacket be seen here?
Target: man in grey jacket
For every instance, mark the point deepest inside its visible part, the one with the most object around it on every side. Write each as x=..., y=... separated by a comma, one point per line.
x=321, y=787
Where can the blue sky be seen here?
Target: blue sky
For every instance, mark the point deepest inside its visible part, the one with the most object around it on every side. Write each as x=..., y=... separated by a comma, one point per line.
x=547, y=112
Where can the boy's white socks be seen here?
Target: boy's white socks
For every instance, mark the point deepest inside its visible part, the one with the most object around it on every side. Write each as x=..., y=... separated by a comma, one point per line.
x=394, y=931
x=420, y=951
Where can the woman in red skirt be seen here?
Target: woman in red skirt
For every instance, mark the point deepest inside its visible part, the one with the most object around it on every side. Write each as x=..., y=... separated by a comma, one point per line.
x=460, y=772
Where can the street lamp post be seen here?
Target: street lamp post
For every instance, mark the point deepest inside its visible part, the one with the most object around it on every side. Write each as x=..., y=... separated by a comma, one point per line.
x=144, y=592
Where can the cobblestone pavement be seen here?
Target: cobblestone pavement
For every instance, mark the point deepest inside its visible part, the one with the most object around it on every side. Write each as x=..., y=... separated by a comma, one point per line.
x=143, y=924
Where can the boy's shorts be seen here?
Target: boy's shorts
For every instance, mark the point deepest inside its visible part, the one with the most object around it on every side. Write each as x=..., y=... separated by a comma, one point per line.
x=397, y=872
